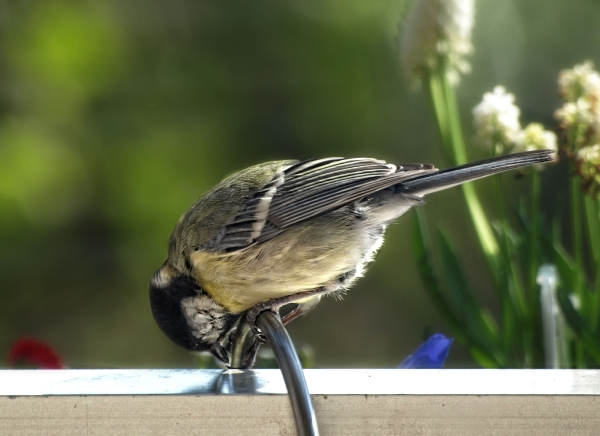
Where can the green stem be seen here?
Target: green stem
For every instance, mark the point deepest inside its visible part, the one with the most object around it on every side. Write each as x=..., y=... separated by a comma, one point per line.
x=577, y=236
x=578, y=256
x=593, y=225
x=515, y=297
x=534, y=264
x=454, y=146
x=435, y=92
x=486, y=237
x=459, y=153
x=534, y=232
x=507, y=327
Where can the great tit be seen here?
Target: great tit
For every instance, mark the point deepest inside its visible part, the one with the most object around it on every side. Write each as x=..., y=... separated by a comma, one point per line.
x=288, y=231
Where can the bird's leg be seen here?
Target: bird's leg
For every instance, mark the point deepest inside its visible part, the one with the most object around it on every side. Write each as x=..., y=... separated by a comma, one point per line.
x=303, y=308
x=243, y=346
x=252, y=353
x=275, y=304
x=242, y=358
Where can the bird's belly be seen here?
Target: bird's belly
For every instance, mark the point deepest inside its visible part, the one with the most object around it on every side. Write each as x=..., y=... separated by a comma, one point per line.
x=293, y=262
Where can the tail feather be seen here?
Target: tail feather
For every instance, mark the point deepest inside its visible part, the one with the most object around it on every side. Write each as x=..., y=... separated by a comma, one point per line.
x=433, y=182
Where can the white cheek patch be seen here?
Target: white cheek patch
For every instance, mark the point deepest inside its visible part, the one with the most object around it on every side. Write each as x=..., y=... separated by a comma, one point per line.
x=205, y=317
x=161, y=279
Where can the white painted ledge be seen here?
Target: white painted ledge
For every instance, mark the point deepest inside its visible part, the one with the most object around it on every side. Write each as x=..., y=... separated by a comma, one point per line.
x=319, y=381
x=347, y=402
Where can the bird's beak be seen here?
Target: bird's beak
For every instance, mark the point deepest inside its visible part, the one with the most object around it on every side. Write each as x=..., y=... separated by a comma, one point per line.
x=219, y=352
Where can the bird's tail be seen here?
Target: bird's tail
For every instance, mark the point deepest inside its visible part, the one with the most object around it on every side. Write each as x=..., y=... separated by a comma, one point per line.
x=433, y=182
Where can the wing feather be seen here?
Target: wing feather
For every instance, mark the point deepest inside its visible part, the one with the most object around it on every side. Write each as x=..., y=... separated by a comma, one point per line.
x=308, y=189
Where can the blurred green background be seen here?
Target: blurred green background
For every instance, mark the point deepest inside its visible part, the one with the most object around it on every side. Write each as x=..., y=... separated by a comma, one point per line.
x=116, y=115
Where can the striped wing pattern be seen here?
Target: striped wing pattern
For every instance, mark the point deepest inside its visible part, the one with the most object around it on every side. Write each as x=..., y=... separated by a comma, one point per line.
x=308, y=189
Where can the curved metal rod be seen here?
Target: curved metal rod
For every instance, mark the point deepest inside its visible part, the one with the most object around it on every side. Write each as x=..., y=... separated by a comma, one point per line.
x=287, y=359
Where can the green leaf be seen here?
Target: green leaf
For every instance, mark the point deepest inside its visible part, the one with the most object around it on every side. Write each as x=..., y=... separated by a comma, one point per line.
x=557, y=219
x=592, y=209
x=425, y=264
x=510, y=260
x=579, y=325
x=567, y=269
x=521, y=236
x=483, y=359
x=593, y=223
x=462, y=297
x=481, y=352
x=511, y=313
x=529, y=255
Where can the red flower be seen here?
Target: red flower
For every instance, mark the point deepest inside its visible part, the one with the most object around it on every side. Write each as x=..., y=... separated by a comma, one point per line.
x=31, y=353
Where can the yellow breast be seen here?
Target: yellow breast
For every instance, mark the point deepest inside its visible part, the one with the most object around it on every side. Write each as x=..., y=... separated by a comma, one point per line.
x=300, y=259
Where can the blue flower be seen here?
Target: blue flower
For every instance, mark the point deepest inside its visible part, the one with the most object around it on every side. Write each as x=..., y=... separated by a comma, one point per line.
x=431, y=354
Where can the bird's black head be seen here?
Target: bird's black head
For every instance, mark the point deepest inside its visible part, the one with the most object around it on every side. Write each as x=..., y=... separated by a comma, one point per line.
x=187, y=315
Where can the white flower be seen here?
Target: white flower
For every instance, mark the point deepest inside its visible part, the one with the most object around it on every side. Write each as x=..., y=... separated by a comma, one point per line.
x=580, y=82
x=496, y=120
x=577, y=113
x=591, y=154
x=580, y=115
x=434, y=29
x=534, y=137
x=587, y=160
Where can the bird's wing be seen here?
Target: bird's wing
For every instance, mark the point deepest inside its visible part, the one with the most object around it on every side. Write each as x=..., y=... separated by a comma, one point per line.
x=308, y=189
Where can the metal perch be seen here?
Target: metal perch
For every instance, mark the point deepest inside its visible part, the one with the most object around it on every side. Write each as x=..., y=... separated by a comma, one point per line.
x=287, y=359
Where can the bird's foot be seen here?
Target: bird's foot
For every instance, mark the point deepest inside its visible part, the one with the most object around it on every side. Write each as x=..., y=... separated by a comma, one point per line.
x=276, y=303
x=253, y=313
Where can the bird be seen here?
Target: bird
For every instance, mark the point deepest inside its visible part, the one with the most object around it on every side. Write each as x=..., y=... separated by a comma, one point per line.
x=288, y=232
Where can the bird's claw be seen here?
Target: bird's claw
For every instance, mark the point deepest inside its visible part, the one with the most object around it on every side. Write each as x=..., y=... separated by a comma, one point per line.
x=253, y=314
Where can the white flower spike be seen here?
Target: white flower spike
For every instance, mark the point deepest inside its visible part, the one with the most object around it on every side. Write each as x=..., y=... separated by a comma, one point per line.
x=587, y=160
x=496, y=120
x=580, y=115
x=580, y=82
x=534, y=137
x=436, y=29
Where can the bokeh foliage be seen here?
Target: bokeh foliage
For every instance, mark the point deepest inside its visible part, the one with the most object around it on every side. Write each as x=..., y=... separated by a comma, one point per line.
x=116, y=115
